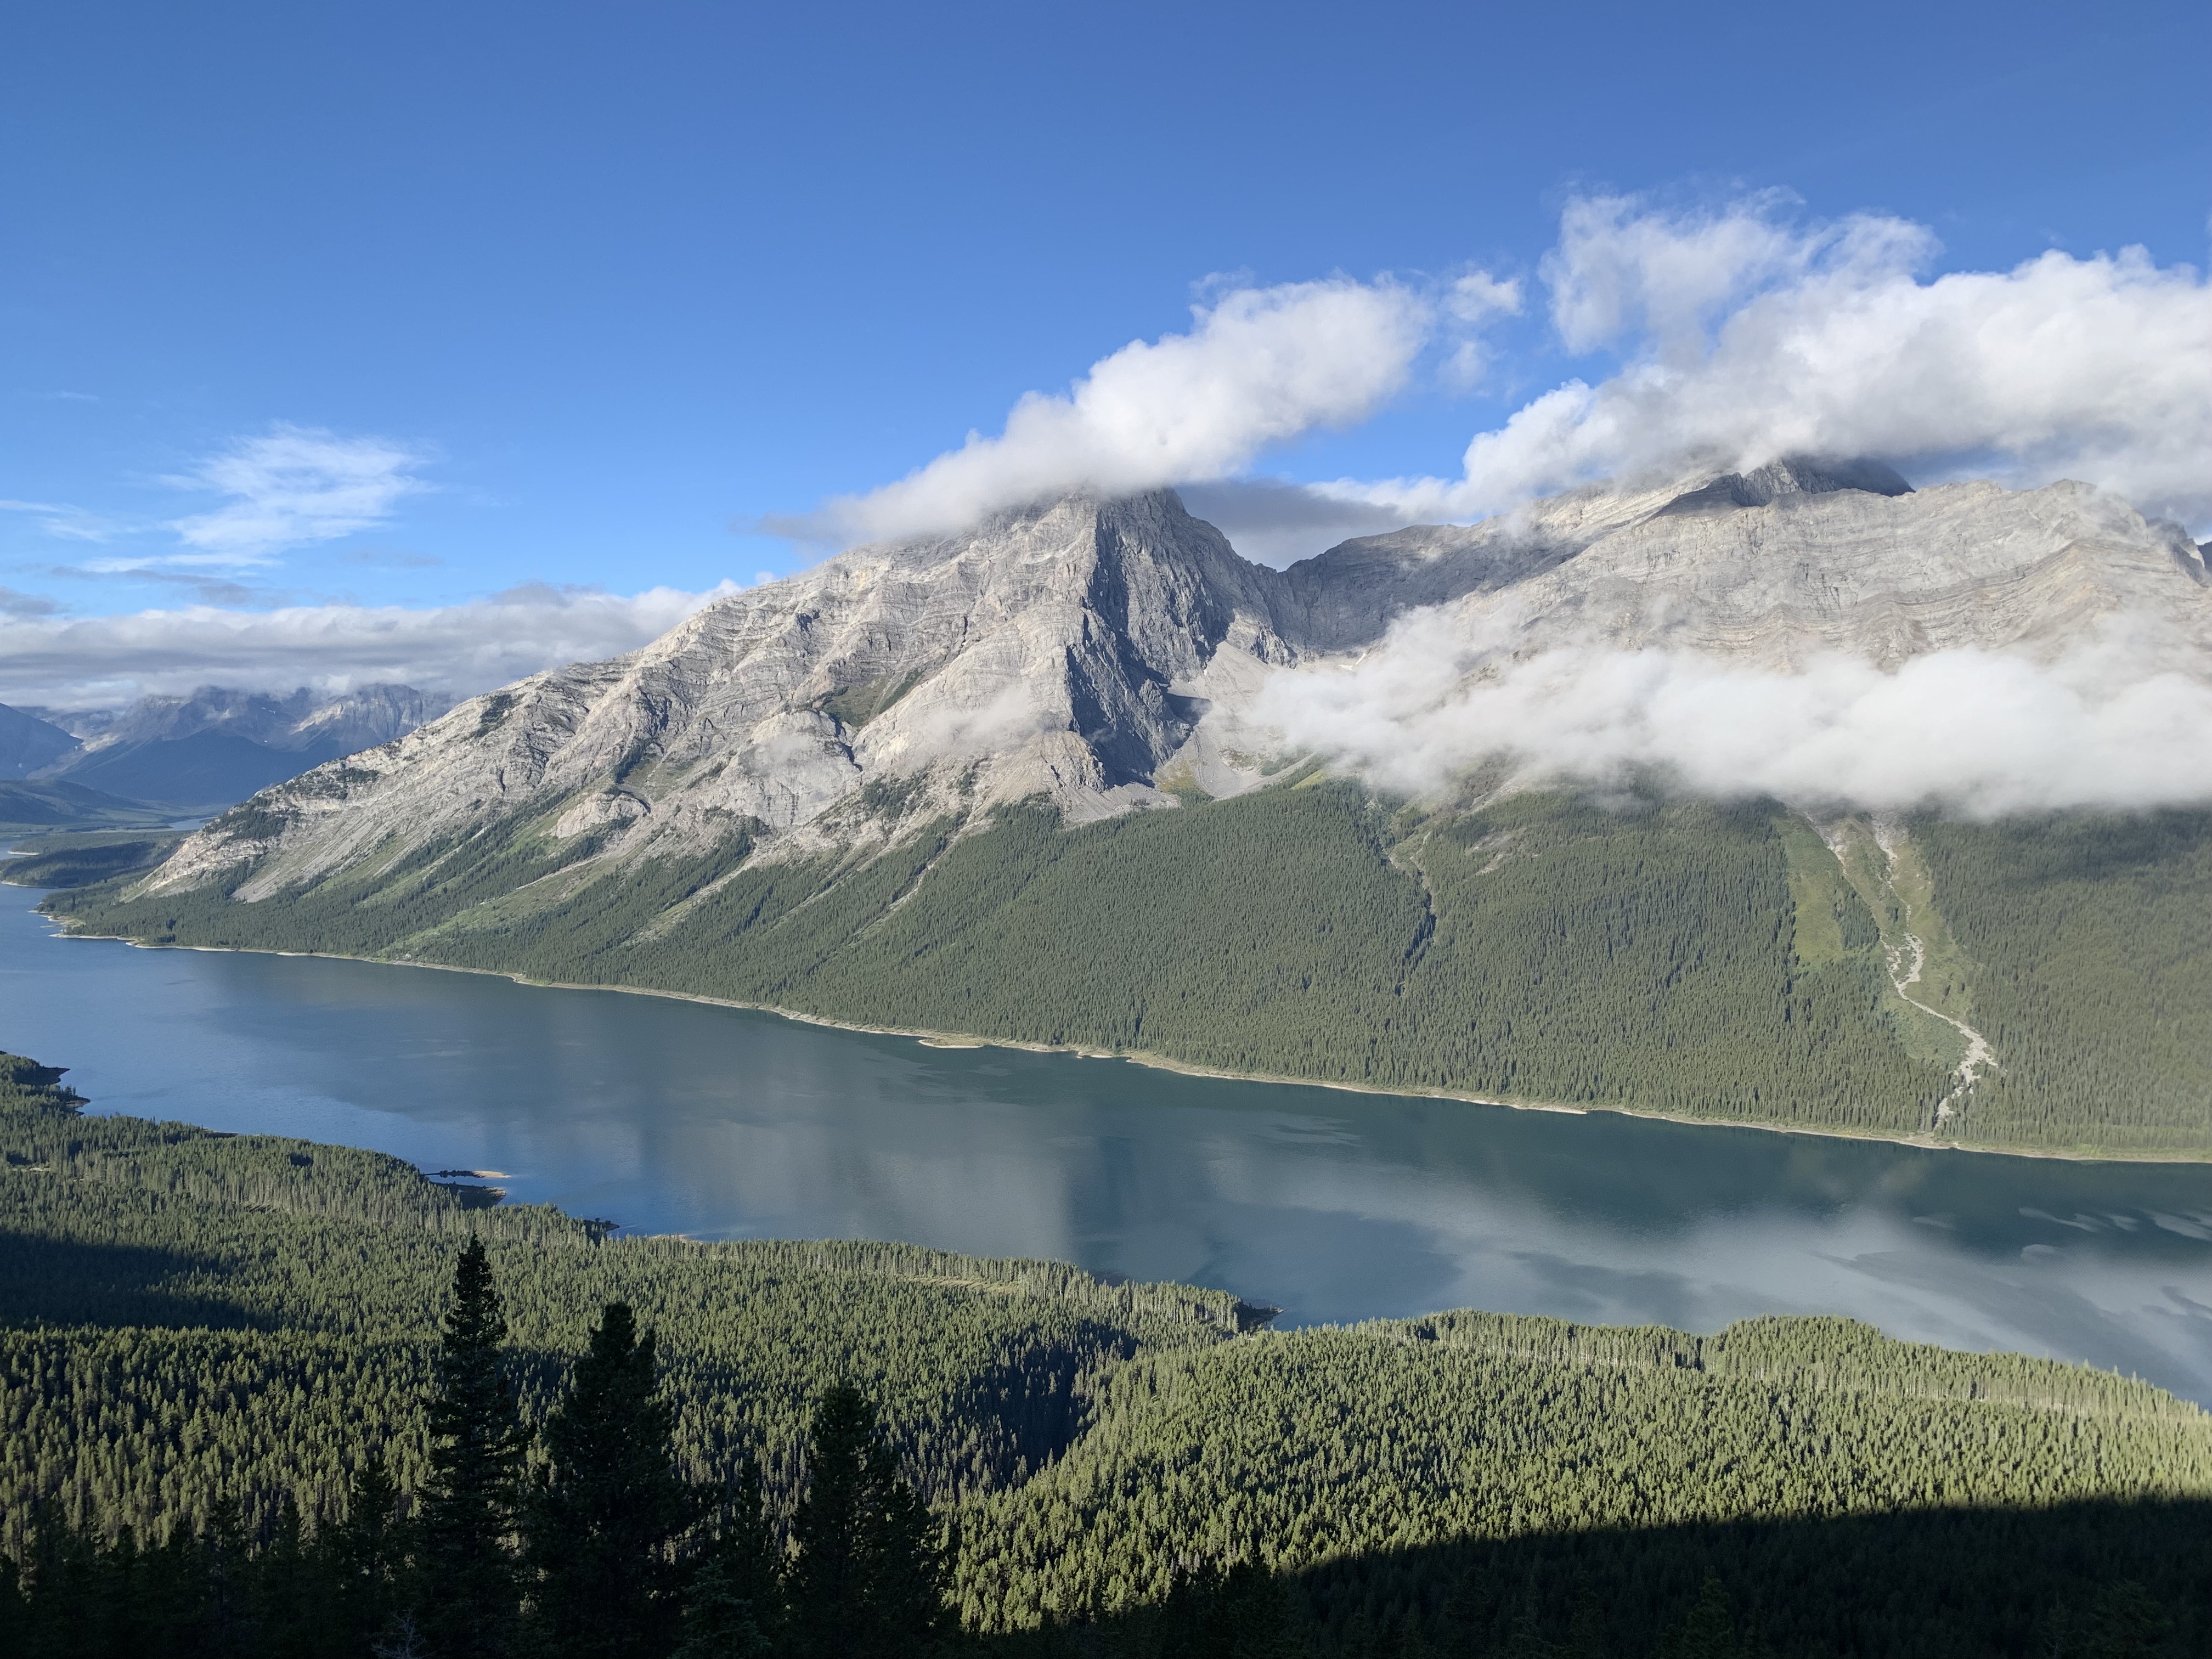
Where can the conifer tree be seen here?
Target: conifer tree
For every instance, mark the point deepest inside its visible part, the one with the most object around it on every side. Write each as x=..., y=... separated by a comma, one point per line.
x=287, y=1612
x=15, y=1611
x=1585, y=1631
x=868, y=1578
x=606, y=1515
x=734, y=1608
x=367, y=1551
x=166, y=1590
x=1708, y=1632
x=2125, y=1623
x=223, y=1545
x=468, y=1572
x=1240, y=1612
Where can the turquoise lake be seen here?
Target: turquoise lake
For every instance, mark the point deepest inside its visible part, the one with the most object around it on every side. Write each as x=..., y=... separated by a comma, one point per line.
x=672, y=1116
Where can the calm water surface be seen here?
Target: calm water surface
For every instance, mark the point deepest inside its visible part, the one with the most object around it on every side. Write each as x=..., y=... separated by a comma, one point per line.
x=672, y=1116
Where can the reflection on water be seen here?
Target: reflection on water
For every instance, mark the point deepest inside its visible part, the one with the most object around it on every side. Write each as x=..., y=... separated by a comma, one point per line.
x=672, y=1116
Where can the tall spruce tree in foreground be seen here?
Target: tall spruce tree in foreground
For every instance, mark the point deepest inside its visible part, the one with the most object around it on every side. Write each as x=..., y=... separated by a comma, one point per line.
x=734, y=1606
x=869, y=1576
x=366, y=1553
x=1240, y=1611
x=1709, y=1633
x=468, y=1510
x=604, y=1518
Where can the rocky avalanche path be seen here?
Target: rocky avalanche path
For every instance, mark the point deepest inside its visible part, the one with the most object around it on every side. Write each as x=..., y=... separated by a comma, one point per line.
x=1880, y=862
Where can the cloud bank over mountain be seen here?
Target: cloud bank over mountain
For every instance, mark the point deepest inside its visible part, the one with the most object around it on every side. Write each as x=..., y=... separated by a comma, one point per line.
x=1710, y=339
x=1259, y=366
x=105, y=661
x=1743, y=338
x=1725, y=338
x=1978, y=732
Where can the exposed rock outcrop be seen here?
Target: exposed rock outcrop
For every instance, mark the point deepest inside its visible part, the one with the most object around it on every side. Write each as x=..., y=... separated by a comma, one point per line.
x=1100, y=653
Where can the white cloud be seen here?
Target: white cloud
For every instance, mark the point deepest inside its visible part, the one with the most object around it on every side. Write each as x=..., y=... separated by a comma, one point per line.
x=1618, y=272
x=1470, y=305
x=1744, y=337
x=1978, y=732
x=104, y=662
x=1479, y=296
x=1741, y=333
x=291, y=486
x=1260, y=366
x=69, y=523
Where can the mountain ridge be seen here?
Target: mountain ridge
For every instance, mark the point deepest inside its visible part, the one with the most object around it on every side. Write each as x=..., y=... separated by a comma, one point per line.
x=28, y=743
x=1087, y=650
x=222, y=744
x=1011, y=784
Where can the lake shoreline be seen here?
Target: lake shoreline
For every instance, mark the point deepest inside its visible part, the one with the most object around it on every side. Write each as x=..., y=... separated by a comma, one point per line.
x=1166, y=1063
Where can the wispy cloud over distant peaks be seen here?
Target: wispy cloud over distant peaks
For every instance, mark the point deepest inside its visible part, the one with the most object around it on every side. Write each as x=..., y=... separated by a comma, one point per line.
x=292, y=486
x=98, y=662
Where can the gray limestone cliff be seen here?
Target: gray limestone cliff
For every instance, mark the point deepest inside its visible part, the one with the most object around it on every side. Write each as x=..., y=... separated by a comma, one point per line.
x=1099, y=654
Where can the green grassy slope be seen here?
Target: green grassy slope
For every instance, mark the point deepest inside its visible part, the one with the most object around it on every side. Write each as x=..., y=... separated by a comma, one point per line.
x=161, y=1349
x=1679, y=957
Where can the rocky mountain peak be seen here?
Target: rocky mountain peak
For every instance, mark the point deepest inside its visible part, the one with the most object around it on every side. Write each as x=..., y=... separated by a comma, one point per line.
x=364, y=717
x=1063, y=650
x=298, y=719
x=1101, y=655
x=1796, y=475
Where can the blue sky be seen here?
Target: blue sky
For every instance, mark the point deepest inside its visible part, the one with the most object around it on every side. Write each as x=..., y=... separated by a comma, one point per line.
x=575, y=295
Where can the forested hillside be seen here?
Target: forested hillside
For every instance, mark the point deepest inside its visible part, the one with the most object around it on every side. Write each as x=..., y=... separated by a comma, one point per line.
x=225, y=1343
x=2093, y=976
x=1729, y=962
x=28, y=808
x=75, y=859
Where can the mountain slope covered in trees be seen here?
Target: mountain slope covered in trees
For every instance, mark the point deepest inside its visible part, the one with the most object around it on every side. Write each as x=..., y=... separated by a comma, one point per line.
x=1647, y=954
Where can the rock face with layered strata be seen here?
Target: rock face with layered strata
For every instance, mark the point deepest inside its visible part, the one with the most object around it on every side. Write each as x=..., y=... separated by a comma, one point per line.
x=1055, y=651
x=1102, y=653
x=1880, y=577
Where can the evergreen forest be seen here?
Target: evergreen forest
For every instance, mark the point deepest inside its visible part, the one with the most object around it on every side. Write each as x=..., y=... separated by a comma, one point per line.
x=1716, y=961
x=261, y=1396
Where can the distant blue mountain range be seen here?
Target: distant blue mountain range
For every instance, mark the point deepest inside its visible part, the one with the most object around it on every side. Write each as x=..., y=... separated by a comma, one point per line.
x=209, y=750
x=28, y=743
